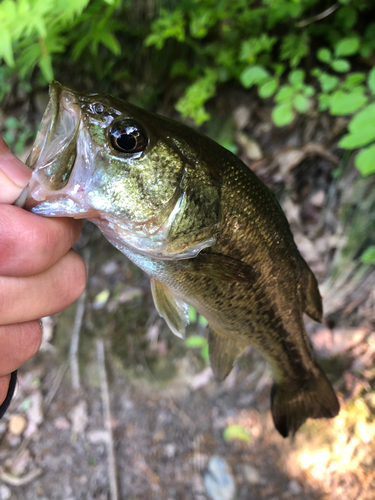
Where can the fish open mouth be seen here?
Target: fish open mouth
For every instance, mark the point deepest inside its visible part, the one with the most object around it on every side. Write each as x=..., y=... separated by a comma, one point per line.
x=53, y=153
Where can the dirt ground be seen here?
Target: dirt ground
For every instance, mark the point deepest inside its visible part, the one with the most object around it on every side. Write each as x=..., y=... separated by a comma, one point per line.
x=114, y=406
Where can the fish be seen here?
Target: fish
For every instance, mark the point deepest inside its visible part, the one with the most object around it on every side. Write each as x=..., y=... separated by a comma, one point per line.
x=207, y=231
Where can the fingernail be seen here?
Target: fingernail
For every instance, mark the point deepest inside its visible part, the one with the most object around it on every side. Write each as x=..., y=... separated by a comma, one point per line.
x=12, y=167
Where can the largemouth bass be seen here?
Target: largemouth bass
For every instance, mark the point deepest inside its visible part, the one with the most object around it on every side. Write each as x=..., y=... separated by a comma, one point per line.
x=200, y=223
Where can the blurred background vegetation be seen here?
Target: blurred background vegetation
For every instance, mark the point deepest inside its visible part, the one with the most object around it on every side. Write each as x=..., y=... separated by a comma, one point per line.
x=302, y=55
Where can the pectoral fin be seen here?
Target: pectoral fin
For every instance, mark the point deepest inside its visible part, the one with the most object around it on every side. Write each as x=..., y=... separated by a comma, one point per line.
x=223, y=351
x=219, y=267
x=170, y=307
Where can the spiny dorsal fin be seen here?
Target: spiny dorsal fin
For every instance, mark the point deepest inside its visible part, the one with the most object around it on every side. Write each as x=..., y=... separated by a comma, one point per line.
x=223, y=351
x=170, y=307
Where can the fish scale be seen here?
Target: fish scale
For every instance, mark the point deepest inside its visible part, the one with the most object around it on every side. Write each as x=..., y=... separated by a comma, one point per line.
x=200, y=223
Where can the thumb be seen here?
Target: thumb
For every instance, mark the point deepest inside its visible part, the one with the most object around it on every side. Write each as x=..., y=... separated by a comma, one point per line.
x=14, y=175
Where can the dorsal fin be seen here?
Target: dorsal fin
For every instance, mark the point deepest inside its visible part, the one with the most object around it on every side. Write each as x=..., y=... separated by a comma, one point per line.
x=174, y=310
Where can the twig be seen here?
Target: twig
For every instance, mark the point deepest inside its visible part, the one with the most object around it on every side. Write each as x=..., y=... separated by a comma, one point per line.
x=112, y=472
x=73, y=352
x=318, y=17
x=19, y=481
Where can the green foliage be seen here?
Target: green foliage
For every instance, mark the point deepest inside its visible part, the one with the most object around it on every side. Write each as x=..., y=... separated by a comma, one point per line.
x=292, y=98
x=199, y=45
x=198, y=342
x=368, y=256
x=362, y=129
x=16, y=134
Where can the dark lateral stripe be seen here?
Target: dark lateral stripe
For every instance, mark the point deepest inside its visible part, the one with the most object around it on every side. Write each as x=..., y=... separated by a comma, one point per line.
x=9, y=396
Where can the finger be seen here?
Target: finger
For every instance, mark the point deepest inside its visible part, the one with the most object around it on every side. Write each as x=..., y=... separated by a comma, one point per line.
x=30, y=244
x=19, y=342
x=32, y=297
x=14, y=175
x=4, y=386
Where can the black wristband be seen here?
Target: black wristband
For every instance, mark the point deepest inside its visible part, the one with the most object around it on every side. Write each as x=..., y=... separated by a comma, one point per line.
x=8, y=399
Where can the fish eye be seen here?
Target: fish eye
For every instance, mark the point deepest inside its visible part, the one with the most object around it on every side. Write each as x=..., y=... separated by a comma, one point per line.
x=127, y=138
x=96, y=108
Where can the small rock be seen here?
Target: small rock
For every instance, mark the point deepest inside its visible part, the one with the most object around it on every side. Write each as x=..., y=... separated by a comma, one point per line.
x=61, y=423
x=5, y=492
x=241, y=116
x=202, y=378
x=129, y=294
x=110, y=267
x=318, y=198
x=218, y=480
x=250, y=146
x=170, y=450
x=251, y=474
x=17, y=424
x=294, y=487
x=79, y=418
x=34, y=412
x=98, y=436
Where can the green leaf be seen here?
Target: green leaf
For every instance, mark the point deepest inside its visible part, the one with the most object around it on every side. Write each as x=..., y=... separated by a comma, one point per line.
x=294, y=48
x=192, y=315
x=324, y=55
x=353, y=80
x=358, y=139
x=328, y=82
x=301, y=103
x=340, y=65
x=346, y=103
x=347, y=47
x=368, y=256
x=45, y=65
x=282, y=114
x=202, y=320
x=308, y=90
x=6, y=50
x=365, y=161
x=195, y=341
x=286, y=92
x=268, y=88
x=192, y=102
x=364, y=119
x=205, y=353
x=252, y=75
x=111, y=42
x=236, y=431
x=371, y=80
x=296, y=77
x=324, y=101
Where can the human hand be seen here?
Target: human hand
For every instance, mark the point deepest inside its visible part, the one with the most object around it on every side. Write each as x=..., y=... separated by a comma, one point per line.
x=39, y=273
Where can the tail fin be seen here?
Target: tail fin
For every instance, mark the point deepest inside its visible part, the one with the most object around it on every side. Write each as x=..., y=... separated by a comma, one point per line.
x=313, y=300
x=292, y=405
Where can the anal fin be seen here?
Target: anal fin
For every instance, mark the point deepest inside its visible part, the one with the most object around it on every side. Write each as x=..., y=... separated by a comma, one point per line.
x=223, y=351
x=174, y=310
